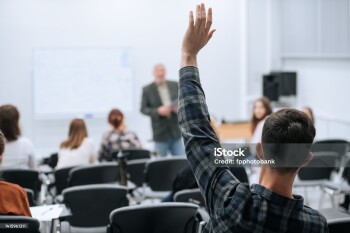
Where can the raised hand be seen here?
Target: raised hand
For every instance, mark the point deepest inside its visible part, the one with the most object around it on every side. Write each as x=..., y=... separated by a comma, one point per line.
x=197, y=35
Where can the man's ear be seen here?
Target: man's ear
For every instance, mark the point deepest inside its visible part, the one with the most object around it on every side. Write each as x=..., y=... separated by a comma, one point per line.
x=259, y=151
x=307, y=159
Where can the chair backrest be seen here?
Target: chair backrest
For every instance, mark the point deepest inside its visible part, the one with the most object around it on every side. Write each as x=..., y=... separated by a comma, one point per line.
x=30, y=196
x=339, y=225
x=18, y=224
x=94, y=174
x=338, y=146
x=26, y=178
x=132, y=154
x=338, y=221
x=161, y=173
x=190, y=196
x=136, y=171
x=155, y=218
x=320, y=167
x=91, y=204
x=61, y=178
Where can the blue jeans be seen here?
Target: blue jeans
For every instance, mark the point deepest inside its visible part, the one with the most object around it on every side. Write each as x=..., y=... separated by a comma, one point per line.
x=175, y=146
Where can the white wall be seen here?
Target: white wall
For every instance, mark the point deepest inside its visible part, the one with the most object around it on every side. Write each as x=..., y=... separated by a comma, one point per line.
x=323, y=84
x=153, y=29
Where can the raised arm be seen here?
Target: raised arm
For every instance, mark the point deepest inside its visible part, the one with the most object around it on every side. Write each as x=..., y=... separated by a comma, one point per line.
x=194, y=120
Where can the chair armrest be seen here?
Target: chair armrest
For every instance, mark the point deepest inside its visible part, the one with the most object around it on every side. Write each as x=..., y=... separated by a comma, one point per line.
x=203, y=215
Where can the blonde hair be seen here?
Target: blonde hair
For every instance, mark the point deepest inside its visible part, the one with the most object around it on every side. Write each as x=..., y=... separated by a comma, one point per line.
x=77, y=134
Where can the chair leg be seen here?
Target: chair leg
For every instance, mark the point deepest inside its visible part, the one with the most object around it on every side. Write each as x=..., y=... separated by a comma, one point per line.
x=321, y=199
x=306, y=196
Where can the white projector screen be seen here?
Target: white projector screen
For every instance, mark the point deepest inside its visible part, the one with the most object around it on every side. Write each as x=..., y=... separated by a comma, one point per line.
x=71, y=82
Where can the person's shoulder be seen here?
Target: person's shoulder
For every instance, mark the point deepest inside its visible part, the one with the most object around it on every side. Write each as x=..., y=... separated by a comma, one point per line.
x=13, y=188
x=148, y=86
x=172, y=82
x=24, y=140
x=88, y=140
x=314, y=215
x=107, y=134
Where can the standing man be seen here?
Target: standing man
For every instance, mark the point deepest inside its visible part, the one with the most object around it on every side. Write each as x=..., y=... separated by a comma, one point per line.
x=159, y=101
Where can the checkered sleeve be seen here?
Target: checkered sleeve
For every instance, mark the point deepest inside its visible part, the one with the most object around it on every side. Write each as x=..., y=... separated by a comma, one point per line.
x=200, y=140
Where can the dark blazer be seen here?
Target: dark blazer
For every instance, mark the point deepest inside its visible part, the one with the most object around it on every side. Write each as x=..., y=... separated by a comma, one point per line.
x=164, y=128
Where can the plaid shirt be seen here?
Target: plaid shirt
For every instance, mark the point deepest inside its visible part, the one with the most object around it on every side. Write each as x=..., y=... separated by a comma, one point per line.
x=233, y=206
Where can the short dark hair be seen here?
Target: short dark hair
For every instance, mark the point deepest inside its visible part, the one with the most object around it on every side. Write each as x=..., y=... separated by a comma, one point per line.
x=9, y=122
x=287, y=137
x=2, y=143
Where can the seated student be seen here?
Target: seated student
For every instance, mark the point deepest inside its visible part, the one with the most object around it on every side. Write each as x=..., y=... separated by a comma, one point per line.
x=118, y=138
x=78, y=149
x=261, y=109
x=19, y=152
x=13, y=199
x=234, y=206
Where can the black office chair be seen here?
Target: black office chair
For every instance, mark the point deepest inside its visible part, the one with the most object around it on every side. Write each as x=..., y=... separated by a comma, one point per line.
x=30, y=196
x=156, y=218
x=160, y=174
x=334, y=188
x=338, y=222
x=191, y=196
x=61, y=179
x=91, y=205
x=26, y=178
x=132, y=154
x=339, y=226
x=94, y=174
x=338, y=146
x=317, y=172
x=320, y=167
x=19, y=224
x=136, y=171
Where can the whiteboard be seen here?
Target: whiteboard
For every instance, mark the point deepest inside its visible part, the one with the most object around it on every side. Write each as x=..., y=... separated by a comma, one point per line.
x=70, y=82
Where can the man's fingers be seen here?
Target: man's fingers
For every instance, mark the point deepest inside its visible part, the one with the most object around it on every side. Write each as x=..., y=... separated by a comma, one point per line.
x=209, y=19
x=191, y=20
x=203, y=16
x=198, y=17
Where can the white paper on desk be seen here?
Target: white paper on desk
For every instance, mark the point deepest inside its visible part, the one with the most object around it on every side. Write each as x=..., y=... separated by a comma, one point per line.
x=46, y=212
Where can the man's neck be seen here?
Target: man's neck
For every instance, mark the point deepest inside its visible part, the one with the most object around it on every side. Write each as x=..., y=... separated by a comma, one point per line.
x=279, y=183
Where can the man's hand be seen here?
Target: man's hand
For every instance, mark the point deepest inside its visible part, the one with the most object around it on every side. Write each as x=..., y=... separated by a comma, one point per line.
x=197, y=35
x=164, y=110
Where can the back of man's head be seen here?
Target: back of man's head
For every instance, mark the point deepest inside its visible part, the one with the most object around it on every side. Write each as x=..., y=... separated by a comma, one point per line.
x=287, y=137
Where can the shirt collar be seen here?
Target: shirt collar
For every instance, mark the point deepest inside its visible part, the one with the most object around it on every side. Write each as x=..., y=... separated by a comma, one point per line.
x=297, y=202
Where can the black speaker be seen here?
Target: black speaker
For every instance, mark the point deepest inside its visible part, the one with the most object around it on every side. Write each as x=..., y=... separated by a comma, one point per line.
x=271, y=87
x=278, y=84
x=288, y=83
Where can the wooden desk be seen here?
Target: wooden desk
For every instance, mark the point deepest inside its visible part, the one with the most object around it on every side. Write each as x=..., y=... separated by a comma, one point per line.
x=239, y=130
